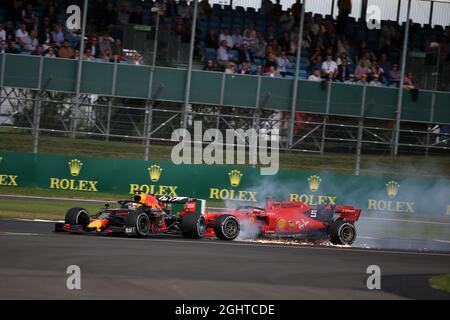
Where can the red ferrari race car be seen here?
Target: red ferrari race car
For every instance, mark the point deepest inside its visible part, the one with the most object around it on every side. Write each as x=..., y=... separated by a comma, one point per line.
x=292, y=219
x=146, y=214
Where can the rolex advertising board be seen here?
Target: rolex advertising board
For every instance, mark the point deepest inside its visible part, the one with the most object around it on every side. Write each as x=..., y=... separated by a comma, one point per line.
x=231, y=184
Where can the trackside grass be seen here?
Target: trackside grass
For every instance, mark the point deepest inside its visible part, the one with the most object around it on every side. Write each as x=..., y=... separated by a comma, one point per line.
x=441, y=282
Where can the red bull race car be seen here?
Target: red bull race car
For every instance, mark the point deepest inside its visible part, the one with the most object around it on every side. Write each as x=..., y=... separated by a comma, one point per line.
x=145, y=215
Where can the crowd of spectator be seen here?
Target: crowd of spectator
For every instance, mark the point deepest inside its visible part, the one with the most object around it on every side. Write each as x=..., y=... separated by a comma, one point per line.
x=329, y=51
x=35, y=29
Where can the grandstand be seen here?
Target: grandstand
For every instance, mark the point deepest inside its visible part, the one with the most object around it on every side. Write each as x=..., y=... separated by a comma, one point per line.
x=241, y=50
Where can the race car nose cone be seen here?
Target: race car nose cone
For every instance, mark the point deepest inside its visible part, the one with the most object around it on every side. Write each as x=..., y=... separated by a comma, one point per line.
x=96, y=224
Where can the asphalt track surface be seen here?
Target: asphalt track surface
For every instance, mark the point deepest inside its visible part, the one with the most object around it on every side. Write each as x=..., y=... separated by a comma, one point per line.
x=34, y=261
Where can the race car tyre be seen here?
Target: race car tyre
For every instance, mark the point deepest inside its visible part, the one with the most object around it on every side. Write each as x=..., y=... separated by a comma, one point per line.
x=227, y=227
x=342, y=232
x=137, y=223
x=77, y=216
x=193, y=225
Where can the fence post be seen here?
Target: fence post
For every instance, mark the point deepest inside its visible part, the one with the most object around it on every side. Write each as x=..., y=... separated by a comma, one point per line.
x=360, y=132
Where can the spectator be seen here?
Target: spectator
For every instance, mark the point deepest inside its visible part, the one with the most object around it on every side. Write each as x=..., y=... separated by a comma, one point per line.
x=329, y=65
x=362, y=79
x=375, y=81
x=316, y=62
x=315, y=76
x=28, y=15
x=57, y=35
x=110, y=16
x=136, y=58
x=259, y=47
x=137, y=16
x=225, y=36
x=21, y=34
x=272, y=72
x=106, y=56
x=231, y=68
x=249, y=35
x=223, y=55
x=31, y=42
x=50, y=53
x=237, y=38
x=12, y=48
x=211, y=40
x=209, y=66
x=88, y=55
x=93, y=46
x=39, y=51
x=245, y=54
x=65, y=51
x=183, y=10
x=204, y=9
x=409, y=82
x=385, y=65
x=344, y=69
x=258, y=71
x=266, y=7
x=277, y=10
x=395, y=75
x=117, y=49
x=3, y=46
x=285, y=42
x=286, y=21
x=282, y=64
x=270, y=34
x=350, y=79
x=105, y=43
x=2, y=32
x=296, y=9
x=345, y=8
x=46, y=38
x=76, y=54
x=330, y=76
x=123, y=15
x=10, y=31
x=361, y=69
x=245, y=69
x=270, y=61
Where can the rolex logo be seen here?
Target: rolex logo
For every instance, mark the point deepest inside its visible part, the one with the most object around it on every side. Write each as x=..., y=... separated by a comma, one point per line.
x=314, y=183
x=235, y=177
x=154, y=172
x=392, y=188
x=75, y=167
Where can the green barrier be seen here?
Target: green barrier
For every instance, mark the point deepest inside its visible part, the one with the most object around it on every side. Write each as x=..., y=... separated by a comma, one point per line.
x=232, y=184
x=206, y=88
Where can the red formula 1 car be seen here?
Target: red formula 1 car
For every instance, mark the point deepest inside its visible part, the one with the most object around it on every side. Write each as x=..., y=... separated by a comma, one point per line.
x=145, y=214
x=292, y=219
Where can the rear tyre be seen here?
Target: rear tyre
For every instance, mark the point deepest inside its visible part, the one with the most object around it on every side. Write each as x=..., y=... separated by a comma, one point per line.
x=77, y=216
x=193, y=225
x=138, y=223
x=342, y=232
x=227, y=227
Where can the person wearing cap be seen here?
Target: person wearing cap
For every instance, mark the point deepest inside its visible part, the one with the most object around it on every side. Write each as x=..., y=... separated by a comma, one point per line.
x=350, y=79
x=375, y=81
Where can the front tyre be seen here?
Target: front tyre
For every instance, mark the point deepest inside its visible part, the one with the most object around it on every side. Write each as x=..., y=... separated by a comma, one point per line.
x=227, y=227
x=193, y=225
x=342, y=232
x=137, y=223
x=77, y=216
